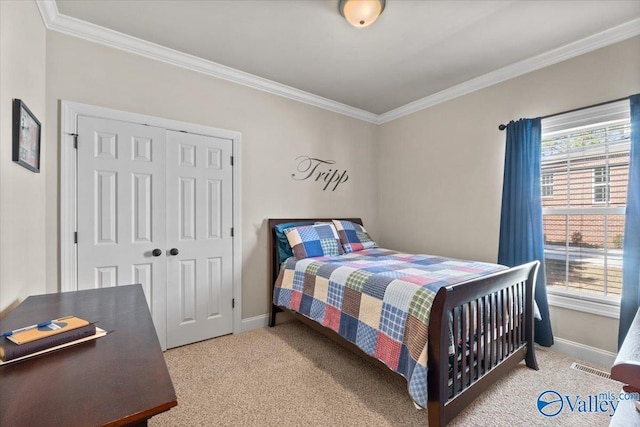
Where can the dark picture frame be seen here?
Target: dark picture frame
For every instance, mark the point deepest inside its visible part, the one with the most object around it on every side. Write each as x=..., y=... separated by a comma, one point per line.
x=26, y=137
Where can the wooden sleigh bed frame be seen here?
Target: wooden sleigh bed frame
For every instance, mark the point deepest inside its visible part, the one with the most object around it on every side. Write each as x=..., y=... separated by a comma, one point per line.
x=464, y=310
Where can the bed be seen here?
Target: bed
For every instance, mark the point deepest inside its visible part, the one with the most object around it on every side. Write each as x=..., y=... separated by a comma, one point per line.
x=450, y=327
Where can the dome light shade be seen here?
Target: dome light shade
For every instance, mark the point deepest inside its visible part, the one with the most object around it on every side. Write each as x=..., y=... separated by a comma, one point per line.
x=361, y=13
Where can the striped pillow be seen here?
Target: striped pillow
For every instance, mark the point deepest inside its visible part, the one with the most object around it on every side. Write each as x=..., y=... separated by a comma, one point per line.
x=314, y=240
x=353, y=236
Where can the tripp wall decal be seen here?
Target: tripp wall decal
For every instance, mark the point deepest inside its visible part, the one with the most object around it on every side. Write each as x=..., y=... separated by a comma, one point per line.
x=316, y=169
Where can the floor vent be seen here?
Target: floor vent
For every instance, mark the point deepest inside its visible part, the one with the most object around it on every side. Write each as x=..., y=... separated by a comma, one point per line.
x=590, y=370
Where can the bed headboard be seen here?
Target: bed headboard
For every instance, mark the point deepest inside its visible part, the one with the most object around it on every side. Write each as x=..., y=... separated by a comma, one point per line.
x=273, y=242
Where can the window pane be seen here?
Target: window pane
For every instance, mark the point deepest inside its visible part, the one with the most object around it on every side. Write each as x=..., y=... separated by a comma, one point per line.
x=584, y=252
x=546, y=185
x=588, y=166
x=599, y=194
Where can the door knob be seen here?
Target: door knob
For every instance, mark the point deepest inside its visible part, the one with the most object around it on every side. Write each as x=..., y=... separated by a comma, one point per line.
x=156, y=252
x=174, y=251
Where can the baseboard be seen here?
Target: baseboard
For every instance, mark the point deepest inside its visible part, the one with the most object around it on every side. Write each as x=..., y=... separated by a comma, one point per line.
x=256, y=322
x=597, y=356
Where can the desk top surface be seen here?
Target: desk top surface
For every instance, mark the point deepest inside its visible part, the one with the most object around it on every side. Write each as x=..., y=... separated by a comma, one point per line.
x=115, y=380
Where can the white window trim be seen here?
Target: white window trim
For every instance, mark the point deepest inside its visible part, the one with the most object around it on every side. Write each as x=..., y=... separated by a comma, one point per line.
x=607, y=306
x=604, y=113
x=592, y=304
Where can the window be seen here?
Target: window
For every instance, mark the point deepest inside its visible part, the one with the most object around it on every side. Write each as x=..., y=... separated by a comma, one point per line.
x=546, y=184
x=584, y=173
x=601, y=184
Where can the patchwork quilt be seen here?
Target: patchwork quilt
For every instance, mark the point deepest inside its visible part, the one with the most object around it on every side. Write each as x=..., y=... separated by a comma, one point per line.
x=378, y=299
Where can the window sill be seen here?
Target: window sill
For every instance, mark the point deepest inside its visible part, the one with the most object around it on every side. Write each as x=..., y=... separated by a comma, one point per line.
x=601, y=306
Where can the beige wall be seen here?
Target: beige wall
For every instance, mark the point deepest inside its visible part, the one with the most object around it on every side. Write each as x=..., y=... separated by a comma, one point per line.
x=429, y=182
x=440, y=173
x=22, y=198
x=274, y=132
x=584, y=328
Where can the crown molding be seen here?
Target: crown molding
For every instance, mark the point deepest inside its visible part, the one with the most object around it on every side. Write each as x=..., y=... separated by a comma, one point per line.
x=48, y=10
x=580, y=47
x=55, y=21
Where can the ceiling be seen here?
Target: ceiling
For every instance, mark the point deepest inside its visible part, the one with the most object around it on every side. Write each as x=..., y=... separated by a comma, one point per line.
x=415, y=50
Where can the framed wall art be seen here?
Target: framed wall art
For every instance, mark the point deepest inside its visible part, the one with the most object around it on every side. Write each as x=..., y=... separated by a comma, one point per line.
x=26, y=137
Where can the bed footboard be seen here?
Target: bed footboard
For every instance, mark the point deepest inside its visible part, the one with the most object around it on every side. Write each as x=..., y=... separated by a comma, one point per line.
x=490, y=320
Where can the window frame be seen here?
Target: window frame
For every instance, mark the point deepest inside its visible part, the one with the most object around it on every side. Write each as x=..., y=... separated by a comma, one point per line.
x=546, y=184
x=606, y=184
x=603, y=305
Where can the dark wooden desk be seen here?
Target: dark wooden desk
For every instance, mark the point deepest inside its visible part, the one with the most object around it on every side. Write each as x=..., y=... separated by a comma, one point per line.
x=119, y=379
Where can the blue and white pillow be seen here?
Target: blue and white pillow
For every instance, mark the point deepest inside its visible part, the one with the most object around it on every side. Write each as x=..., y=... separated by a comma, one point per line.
x=284, y=249
x=314, y=240
x=353, y=236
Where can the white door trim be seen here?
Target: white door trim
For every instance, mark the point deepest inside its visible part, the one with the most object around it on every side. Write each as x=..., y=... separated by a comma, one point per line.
x=69, y=112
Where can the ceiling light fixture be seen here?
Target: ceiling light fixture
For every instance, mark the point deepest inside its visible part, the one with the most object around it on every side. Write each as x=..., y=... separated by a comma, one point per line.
x=361, y=13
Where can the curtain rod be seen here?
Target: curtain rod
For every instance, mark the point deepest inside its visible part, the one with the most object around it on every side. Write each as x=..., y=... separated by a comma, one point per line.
x=503, y=126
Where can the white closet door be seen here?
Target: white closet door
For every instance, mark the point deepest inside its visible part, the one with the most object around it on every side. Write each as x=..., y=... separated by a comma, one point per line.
x=155, y=207
x=121, y=209
x=199, y=221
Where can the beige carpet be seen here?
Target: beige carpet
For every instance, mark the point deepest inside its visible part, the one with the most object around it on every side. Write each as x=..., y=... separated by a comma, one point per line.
x=292, y=376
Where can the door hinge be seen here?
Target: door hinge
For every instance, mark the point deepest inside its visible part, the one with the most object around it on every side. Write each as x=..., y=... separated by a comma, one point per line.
x=231, y=160
x=233, y=303
x=75, y=140
x=75, y=237
x=231, y=231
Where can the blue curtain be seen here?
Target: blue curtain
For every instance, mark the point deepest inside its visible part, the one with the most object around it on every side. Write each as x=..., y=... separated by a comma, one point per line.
x=630, y=299
x=521, y=233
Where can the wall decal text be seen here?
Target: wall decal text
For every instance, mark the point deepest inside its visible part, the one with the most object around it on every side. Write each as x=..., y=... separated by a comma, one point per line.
x=316, y=169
